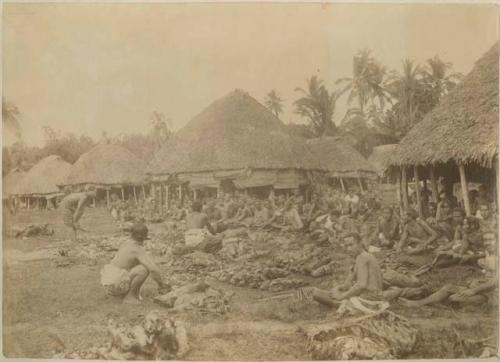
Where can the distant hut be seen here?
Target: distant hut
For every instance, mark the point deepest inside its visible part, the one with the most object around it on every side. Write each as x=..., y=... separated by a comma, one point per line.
x=342, y=161
x=11, y=181
x=40, y=183
x=235, y=143
x=379, y=158
x=109, y=168
x=459, y=138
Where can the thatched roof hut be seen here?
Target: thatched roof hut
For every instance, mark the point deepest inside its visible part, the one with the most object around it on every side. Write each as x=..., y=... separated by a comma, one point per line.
x=43, y=178
x=11, y=182
x=106, y=165
x=380, y=156
x=340, y=158
x=233, y=134
x=463, y=127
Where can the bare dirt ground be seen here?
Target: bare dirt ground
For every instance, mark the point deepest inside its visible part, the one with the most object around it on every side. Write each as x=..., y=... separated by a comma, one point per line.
x=47, y=308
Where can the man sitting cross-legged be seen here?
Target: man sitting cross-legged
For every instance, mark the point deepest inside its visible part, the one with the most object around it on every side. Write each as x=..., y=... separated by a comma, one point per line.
x=365, y=280
x=128, y=270
x=417, y=233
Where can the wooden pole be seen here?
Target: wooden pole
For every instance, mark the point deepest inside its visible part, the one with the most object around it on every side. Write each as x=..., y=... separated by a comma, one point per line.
x=180, y=193
x=398, y=192
x=123, y=193
x=417, y=190
x=143, y=191
x=497, y=184
x=195, y=194
x=434, y=186
x=342, y=184
x=360, y=183
x=135, y=194
x=404, y=181
x=107, y=198
x=465, y=189
x=167, y=196
x=28, y=202
x=160, y=197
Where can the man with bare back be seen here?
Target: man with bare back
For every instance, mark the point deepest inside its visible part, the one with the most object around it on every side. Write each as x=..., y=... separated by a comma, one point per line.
x=417, y=233
x=199, y=232
x=128, y=270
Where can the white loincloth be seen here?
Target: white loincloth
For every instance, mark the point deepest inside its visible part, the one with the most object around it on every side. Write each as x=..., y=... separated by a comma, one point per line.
x=193, y=237
x=115, y=280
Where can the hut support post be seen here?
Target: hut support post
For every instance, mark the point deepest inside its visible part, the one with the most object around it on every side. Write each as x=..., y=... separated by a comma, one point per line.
x=123, y=193
x=398, y=192
x=434, y=187
x=107, y=198
x=404, y=181
x=342, y=184
x=360, y=183
x=417, y=189
x=465, y=190
x=160, y=197
x=135, y=194
x=180, y=193
x=195, y=194
x=28, y=203
x=497, y=184
x=167, y=196
x=143, y=192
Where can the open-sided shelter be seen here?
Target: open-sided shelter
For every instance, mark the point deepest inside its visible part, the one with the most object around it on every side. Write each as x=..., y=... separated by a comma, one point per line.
x=459, y=137
x=235, y=142
x=108, y=168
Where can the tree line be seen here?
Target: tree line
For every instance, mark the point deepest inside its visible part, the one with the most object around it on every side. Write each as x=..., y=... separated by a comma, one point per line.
x=383, y=105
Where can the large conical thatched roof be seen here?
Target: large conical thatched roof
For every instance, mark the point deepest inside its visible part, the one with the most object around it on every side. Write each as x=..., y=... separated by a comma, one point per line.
x=234, y=132
x=11, y=182
x=43, y=178
x=106, y=165
x=339, y=158
x=463, y=127
x=380, y=157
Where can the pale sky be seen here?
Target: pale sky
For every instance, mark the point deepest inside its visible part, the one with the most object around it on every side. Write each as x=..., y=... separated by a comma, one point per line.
x=89, y=68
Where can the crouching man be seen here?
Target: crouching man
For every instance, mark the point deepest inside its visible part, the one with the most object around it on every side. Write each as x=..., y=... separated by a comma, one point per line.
x=129, y=269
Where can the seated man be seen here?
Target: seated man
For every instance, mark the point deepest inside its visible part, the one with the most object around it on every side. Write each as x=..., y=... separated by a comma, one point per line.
x=292, y=217
x=365, y=279
x=465, y=248
x=129, y=269
x=199, y=231
x=416, y=232
x=472, y=294
x=387, y=228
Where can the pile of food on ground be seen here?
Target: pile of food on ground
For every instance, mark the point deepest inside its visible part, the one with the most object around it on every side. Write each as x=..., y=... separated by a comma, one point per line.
x=196, y=296
x=156, y=338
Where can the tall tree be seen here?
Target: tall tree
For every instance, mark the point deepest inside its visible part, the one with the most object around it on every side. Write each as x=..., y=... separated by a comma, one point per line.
x=10, y=114
x=317, y=105
x=161, y=129
x=366, y=83
x=274, y=102
x=439, y=78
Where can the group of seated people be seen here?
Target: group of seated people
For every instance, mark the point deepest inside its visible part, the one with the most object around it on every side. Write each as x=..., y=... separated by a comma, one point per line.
x=357, y=223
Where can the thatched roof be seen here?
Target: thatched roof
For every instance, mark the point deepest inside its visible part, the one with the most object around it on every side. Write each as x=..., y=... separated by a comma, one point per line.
x=106, y=165
x=43, y=178
x=340, y=158
x=380, y=157
x=11, y=182
x=234, y=132
x=463, y=127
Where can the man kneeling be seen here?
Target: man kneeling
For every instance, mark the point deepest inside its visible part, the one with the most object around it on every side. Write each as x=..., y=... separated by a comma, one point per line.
x=129, y=269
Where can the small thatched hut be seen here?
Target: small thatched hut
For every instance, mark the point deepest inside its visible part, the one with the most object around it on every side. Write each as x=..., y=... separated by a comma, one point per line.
x=461, y=131
x=235, y=142
x=341, y=160
x=42, y=180
x=108, y=167
x=380, y=156
x=11, y=181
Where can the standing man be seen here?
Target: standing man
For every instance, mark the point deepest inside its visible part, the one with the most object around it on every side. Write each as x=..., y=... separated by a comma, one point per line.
x=73, y=207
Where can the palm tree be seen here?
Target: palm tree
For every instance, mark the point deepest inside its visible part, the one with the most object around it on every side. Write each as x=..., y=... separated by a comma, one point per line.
x=10, y=114
x=318, y=106
x=367, y=81
x=161, y=129
x=274, y=102
x=439, y=78
x=408, y=89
